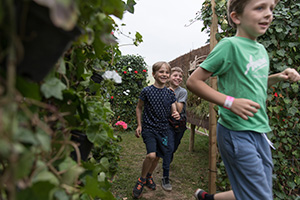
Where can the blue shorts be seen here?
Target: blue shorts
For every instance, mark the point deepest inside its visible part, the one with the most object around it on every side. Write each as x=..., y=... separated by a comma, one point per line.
x=155, y=141
x=248, y=162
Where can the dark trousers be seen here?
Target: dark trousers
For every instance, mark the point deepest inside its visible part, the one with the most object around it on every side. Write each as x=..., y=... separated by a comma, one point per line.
x=174, y=139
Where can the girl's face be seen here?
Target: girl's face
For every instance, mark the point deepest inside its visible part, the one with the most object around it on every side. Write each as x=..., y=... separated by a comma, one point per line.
x=256, y=18
x=162, y=75
x=175, y=79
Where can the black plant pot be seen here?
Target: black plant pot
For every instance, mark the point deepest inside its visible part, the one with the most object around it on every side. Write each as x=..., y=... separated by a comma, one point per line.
x=84, y=145
x=43, y=42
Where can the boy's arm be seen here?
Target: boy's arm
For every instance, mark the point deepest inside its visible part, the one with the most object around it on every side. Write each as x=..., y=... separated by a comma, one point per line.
x=139, y=110
x=179, y=105
x=181, y=100
x=196, y=84
x=287, y=74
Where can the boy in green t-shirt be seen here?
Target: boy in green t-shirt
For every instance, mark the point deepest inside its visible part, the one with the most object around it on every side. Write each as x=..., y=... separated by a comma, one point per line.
x=242, y=66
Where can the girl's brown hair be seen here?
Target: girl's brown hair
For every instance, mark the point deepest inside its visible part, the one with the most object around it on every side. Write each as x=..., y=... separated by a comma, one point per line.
x=156, y=66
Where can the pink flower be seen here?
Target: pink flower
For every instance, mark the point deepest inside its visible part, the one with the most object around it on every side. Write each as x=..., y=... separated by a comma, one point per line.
x=136, y=72
x=112, y=97
x=276, y=95
x=125, y=72
x=121, y=124
x=144, y=70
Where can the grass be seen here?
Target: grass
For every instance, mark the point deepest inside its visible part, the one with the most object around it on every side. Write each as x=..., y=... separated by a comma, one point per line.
x=188, y=171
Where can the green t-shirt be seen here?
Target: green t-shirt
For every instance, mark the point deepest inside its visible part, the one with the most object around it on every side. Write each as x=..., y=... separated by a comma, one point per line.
x=242, y=67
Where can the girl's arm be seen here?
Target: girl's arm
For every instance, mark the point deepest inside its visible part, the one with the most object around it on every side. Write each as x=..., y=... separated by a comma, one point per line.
x=287, y=74
x=174, y=111
x=196, y=84
x=179, y=106
x=139, y=110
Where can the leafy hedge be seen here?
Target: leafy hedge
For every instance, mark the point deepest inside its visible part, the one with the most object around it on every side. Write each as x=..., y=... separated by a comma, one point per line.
x=133, y=70
x=283, y=44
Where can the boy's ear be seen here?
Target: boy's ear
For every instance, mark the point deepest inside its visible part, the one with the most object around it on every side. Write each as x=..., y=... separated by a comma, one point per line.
x=235, y=18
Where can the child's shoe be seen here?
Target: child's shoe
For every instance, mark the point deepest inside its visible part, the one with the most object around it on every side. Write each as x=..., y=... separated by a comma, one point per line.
x=200, y=194
x=138, y=189
x=150, y=183
x=165, y=184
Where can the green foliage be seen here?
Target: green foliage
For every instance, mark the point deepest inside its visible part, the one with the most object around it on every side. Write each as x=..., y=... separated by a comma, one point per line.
x=133, y=71
x=283, y=44
x=110, y=150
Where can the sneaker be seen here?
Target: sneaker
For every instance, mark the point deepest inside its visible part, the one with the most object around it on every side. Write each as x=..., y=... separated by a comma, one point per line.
x=138, y=189
x=150, y=183
x=200, y=194
x=165, y=184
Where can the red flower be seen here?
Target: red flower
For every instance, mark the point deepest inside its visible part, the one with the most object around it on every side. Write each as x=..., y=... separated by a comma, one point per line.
x=136, y=72
x=125, y=72
x=112, y=97
x=144, y=70
x=283, y=120
x=276, y=95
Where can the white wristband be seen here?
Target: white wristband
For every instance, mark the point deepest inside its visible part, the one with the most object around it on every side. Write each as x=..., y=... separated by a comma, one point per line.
x=228, y=102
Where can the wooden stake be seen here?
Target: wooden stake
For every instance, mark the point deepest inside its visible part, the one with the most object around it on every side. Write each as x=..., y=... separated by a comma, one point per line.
x=212, y=113
x=192, y=137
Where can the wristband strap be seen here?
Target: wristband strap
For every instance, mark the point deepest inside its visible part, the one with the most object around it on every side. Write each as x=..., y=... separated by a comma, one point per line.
x=228, y=102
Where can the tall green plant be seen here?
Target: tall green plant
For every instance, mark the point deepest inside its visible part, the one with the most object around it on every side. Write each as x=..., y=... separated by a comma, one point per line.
x=37, y=117
x=283, y=44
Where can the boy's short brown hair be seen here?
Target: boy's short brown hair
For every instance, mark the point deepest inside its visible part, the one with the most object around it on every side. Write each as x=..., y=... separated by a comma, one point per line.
x=176, y=69
x=156, y=66
x=237, y=6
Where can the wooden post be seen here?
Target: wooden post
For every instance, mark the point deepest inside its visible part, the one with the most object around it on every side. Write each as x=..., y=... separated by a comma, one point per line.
x=192, y=138
x=212, y=113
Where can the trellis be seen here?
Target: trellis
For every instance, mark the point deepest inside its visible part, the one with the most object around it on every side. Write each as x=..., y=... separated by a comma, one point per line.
x=212, y=113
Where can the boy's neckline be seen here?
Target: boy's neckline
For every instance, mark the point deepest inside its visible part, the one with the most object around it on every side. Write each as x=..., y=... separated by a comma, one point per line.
x=244, y=38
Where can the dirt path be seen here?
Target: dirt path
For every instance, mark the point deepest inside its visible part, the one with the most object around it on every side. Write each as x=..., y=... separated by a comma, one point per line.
x=188, y=170
x=161, y=194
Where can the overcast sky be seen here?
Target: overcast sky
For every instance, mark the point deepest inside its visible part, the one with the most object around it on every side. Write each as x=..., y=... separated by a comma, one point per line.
x=162, y=25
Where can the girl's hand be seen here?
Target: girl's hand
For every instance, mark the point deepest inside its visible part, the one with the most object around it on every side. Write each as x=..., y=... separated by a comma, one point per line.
x=138, y=131
x=176, y=115
x=244, y=108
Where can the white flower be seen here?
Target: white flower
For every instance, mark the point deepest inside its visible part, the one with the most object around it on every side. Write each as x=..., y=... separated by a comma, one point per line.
x=112, y=75
x=129, y=69
x=124, y=92
x=127, y=91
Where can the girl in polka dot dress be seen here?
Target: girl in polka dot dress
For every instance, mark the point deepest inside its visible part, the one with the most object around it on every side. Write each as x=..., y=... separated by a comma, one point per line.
x=156, y=104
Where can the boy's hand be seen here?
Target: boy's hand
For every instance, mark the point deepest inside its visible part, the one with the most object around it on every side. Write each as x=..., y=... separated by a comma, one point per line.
x=170, y=88
x=244, y=108
x=290, y=74
x=138, y=131
x=176, y=115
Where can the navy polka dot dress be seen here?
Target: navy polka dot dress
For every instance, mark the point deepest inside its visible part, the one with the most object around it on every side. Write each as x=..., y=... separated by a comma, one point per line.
x=157, y=107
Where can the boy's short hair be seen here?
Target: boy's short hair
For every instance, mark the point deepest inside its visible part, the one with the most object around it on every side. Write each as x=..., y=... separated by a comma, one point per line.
x=176, y=69
x=237, y=6
x=156, y=66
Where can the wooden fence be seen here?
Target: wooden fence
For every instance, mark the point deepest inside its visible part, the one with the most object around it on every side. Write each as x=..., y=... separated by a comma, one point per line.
x=188, y=63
